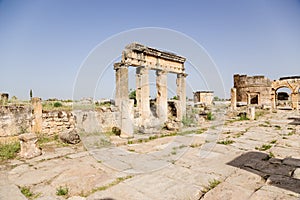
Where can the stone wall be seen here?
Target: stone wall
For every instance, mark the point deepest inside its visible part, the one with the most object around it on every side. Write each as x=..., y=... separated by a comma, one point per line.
x=15, y=120
x=100, y=120
x=57, y=121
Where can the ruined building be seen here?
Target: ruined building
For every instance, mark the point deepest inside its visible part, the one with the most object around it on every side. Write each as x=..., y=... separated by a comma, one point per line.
x=261, y=91
x=205, y=97
x=145, y=58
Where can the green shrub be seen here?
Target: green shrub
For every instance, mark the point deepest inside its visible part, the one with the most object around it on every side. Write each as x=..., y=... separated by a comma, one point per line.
x=243, y=117
x=187, y=121
x=57, y=104
x=212, y=184
x=9, y=151
x=210, y=116
x=174, y=98
x=62, y=191
x=226, y=142
x=26, y=192
x=273, y=141
x=116, y=131
x=264, y=147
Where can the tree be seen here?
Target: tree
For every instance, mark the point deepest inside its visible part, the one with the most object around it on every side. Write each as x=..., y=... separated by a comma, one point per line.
x=30, y=93
x=132, y=95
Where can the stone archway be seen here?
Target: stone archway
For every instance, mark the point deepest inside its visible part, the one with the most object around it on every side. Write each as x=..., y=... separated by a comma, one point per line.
x=283, y=98
x=293, y=83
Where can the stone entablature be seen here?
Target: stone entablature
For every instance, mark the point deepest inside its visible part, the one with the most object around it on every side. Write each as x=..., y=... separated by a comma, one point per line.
x=137, y=55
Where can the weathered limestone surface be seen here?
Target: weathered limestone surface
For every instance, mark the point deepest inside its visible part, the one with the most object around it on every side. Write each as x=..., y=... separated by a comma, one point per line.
x=143, y=102
x=70, y=137
x=138, y=55
x=181, y=93
x=37, y=115
x=55, y=122
x=205, y=97
x=126, y=120
x=162, y=95
x=251, y=111
x=14, y=120
x=101, y=120
x=295, y=100
x=29, y=148
x=233, y=98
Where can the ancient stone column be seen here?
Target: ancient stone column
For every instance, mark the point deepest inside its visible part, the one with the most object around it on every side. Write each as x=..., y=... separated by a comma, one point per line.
x=273, y=99
x=295, y=100
x=138, y=88
x=248, y=99
x=123, y=83
x=181, y=94
x=117, y=96
x=143, y=92
x=162, y=95
x=123, y=103
x=37, y=115
x=233, y=98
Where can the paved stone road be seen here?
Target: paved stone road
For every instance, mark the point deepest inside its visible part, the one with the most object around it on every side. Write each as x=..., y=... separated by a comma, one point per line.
x=257, y=159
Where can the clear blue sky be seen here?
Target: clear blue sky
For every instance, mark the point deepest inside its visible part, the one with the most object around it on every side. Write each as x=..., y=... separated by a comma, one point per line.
x=43, y=43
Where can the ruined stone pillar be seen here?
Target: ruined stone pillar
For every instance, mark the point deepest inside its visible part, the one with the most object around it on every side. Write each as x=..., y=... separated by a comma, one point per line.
x=138, y=88
x=123, y=83
x=252, y=113
x=295, y=100
x=273, y=99
x=37, y=115
x=117, y=95
x=123, y=103
x=248, y=99
x=162, y=95
x=29, y=147
x=181, y=94
x=233, y=98
x=126, y=120
x=143, y=92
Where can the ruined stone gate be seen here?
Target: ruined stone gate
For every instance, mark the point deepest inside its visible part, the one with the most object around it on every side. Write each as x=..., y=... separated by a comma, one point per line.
x=145, y=59
x=259, y=90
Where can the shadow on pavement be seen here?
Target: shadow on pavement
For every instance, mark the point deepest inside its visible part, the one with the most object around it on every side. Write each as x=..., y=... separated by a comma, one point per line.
x=277, y=172
x=295, y=122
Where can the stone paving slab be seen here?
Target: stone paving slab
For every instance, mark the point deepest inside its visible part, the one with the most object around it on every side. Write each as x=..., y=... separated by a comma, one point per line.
x=170, y=167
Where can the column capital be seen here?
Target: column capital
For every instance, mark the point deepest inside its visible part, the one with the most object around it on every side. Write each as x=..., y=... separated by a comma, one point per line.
x=161, y=72
x=182, y=75
x=119, y=65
